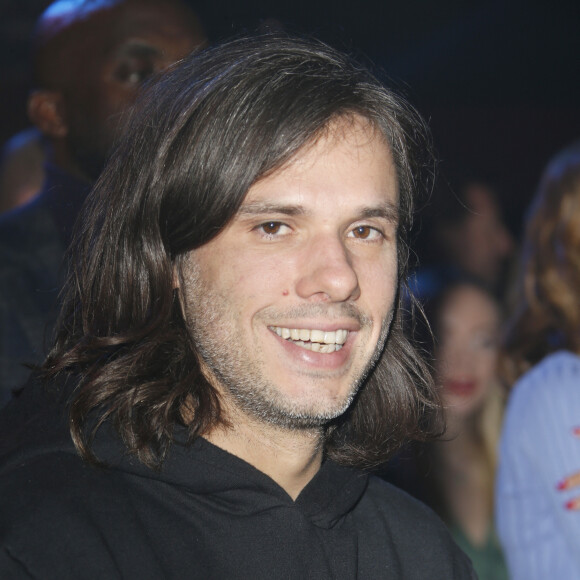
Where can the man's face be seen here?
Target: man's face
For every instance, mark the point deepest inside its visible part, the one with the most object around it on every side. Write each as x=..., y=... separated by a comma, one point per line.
x=291, y=304
x=116, y=50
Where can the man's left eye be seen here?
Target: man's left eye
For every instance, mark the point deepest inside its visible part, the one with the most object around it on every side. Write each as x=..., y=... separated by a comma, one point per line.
x=273, y=228
x=365, y=233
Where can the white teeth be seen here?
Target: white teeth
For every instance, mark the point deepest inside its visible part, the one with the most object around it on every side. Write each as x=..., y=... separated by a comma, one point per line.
x=317, y=347
x=326, y=348
x=330, y=337
x=315, y=340
x=317, y=336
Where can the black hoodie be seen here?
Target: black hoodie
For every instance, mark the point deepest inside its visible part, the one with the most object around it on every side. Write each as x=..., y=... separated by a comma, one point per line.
x=206, y=515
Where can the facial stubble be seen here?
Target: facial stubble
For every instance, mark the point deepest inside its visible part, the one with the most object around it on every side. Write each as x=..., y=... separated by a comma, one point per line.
x=240, y=378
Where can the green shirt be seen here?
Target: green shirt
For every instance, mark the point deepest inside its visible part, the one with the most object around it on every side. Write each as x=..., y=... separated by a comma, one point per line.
x=488, y=560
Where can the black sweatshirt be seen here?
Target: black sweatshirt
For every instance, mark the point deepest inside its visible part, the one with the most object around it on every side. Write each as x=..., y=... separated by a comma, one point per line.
x=206, y=515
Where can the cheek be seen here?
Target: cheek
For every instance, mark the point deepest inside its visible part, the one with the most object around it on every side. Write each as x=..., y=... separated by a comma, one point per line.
x=115, y=100
x=379, y=282
x=448, y=360
x=487, y=365
x=109, y=98
x=255, y=278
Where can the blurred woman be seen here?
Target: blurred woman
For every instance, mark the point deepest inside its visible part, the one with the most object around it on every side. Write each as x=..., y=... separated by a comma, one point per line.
x=537, y=504
x=455, y=476
x=465, y=320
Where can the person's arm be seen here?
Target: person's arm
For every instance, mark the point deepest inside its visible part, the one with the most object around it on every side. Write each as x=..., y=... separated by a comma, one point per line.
x=540, y=536
x=571, y=482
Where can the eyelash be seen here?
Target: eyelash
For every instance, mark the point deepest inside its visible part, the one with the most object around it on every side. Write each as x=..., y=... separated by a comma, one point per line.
x=372, y=233
x=275, y=225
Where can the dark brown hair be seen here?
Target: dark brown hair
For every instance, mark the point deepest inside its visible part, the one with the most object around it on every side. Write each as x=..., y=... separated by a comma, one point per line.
x=196, y=142
x=548, y=313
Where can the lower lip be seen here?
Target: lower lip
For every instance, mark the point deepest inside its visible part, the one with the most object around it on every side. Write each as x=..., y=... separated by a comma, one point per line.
x=460, y=388
x=331, y=360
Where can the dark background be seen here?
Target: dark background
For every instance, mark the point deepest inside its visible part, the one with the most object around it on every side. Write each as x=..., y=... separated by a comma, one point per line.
x=498, y=81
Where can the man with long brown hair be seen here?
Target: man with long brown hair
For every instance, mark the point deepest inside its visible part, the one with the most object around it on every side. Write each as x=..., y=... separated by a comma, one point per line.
x=230, y=350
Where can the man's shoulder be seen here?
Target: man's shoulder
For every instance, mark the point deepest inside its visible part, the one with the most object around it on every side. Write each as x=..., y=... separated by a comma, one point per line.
x=31, y=255
x=414, y=536
x=56, y=510
x=401, y=508
x=47, y=481
x=57, y=517
x=29, y=240
x=25, y=223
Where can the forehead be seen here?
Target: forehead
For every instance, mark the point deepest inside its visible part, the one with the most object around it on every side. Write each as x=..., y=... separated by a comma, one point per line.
x=468, y=305
x=349, y=154
x=98, y=33
x=167, y=22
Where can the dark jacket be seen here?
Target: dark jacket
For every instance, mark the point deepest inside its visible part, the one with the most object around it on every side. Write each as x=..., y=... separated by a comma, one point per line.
x=207, y=514
x=33, y=240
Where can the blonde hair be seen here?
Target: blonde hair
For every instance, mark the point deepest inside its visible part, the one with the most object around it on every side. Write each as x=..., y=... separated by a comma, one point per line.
x=488, y=430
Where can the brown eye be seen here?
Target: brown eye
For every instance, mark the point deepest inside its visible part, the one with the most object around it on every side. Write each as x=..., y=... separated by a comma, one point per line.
x=271, y=228
x=367, y=233
x=362, y=232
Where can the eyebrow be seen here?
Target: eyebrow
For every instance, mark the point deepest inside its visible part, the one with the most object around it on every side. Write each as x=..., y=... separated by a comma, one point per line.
x=259, y=208
x=388, y=211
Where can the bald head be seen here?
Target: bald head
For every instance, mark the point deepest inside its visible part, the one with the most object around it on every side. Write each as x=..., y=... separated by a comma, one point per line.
x=90, y=58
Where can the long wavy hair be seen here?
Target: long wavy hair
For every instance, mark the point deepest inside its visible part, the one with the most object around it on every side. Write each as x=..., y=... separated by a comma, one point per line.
x=195, y=143
x=548, y=314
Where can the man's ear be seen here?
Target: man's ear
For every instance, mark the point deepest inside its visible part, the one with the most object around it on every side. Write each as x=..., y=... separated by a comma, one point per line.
x=46, y=111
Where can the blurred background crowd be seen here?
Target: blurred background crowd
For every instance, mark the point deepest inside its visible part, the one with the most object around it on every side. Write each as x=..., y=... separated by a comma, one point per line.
x=497, y=266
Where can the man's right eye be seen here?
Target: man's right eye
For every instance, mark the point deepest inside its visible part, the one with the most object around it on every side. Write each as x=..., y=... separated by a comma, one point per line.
x=273, y=228
x=134, y=71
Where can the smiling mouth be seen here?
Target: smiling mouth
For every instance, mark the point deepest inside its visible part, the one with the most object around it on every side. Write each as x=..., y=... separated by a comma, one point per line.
x=314, y=340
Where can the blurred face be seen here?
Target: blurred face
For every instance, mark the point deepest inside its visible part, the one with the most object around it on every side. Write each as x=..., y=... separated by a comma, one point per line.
x=291, y=304
x=116, y=50
x=482, y=242
x=466, y=357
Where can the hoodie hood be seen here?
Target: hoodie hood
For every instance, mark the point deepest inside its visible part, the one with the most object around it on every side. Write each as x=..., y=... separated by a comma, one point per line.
x=36, y=424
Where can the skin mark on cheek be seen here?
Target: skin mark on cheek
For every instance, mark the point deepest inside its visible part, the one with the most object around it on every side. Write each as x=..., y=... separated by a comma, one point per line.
x=285, y=292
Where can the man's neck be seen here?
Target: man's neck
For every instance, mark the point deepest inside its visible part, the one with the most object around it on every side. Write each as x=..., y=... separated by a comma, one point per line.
x=290, y=457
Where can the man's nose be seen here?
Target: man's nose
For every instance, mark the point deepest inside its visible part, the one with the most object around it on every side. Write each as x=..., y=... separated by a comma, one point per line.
x=327, y=271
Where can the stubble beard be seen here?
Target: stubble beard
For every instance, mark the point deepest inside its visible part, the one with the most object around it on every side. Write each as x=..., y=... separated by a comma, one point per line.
x=241, y=378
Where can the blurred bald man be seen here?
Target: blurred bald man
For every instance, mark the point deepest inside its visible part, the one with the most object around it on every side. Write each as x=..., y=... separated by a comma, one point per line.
x=90, y=58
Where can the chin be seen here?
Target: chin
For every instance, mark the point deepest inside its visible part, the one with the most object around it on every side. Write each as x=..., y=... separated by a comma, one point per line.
x=462, y=408
x=306, y=410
